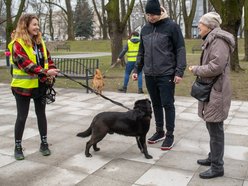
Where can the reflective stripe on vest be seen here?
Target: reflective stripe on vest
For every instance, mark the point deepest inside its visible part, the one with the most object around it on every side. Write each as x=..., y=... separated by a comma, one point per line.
x=22, y=79
x=133, y=49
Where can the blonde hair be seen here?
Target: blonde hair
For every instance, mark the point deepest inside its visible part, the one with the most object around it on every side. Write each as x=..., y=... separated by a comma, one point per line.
x=22, y=30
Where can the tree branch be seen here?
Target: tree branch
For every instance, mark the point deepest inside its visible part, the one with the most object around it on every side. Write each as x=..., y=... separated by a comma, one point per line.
x=64, y=10
x=129, y=11
x=97, y=13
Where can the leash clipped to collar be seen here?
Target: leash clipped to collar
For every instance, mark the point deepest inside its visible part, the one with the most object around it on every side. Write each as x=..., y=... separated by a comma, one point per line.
x=92, y=90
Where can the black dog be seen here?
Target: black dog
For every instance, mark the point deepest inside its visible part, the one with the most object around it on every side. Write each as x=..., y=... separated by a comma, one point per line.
x=135, y=123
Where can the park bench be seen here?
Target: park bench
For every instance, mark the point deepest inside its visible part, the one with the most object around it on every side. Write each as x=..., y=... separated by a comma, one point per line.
x=196, y=48
x=77, y=68
x=63, y=47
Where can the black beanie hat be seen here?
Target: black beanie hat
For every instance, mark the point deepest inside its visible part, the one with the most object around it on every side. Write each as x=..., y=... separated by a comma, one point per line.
x=153, y=7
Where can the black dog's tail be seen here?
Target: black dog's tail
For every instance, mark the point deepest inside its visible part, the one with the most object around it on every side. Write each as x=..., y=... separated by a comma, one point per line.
x=85, y=133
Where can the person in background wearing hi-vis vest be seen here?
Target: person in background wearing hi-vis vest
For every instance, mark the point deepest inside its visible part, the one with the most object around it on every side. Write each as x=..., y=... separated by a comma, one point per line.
x=8, y=53
x=32, y=70
x=131, y=49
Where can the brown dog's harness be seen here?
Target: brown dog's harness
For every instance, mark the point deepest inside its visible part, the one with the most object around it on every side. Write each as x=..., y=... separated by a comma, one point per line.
x=92, y=90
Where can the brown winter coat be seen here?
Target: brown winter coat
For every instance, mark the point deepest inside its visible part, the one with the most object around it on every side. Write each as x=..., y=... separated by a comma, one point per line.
x=215, y=60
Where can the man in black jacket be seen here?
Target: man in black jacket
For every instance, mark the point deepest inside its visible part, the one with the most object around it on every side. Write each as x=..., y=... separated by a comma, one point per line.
x=162, y=57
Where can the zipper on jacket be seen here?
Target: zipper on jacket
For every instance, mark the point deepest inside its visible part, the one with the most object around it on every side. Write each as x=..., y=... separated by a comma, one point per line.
x=153, y=34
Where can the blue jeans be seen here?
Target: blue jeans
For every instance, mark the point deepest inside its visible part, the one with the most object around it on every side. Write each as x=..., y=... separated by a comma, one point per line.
x=162, y=90
x=128, y=70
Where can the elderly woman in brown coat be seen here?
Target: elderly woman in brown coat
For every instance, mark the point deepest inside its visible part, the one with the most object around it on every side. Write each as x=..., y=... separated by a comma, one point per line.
x=215, y=61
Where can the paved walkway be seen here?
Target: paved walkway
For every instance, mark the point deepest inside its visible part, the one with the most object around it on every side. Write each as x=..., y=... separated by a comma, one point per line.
x=119, y=163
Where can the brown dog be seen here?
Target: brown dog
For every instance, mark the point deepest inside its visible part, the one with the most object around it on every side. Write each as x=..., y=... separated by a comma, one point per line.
x=98, y=82
x=135, y=123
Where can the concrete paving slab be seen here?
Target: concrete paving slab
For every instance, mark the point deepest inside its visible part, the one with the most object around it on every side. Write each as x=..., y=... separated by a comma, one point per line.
x=119, y=162
x=123, y=170
x=161, y=176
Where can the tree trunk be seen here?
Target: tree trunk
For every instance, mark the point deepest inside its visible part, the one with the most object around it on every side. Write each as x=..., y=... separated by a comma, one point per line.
x=101, y=19
x=70, y=20
x=188, y=19
x=116, y=27
x=104, y=25
x=51, y=30
x=114, y=22
x=204, y=6
x=11, y=25
x=230, y=12
x=234, y=57
x=116, y=46
x=246, y=30
x=246, y=45
x=170, y=8
x=123, y=13
x=129, y=28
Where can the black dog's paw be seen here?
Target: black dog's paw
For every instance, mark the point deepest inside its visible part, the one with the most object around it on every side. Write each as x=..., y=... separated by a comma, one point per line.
x=148, y=156
x=96, y=149
x=88, y=155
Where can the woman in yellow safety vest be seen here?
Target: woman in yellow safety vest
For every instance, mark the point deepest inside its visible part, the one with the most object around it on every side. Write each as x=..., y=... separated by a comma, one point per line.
x=32, y=68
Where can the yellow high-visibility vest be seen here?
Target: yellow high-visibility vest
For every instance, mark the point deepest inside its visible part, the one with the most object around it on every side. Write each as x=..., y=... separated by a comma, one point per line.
x=133, y=49
x=10, y=47
x=20, y=78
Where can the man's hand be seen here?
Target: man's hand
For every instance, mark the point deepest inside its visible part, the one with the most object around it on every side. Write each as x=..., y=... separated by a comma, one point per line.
x=134, y=76
x=177, y=79
x=118, y=60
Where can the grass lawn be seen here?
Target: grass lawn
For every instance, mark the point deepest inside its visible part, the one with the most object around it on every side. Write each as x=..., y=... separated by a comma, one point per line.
x=114, y=76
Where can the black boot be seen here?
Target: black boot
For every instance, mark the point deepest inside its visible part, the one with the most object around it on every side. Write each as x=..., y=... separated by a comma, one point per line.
x=204, y=162
x=211, y=174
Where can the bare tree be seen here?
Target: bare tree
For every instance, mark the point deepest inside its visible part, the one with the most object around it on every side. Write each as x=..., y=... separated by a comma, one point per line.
x=43, y=10
x=129, y=21
x=204, y=6
x=188, y=19
x=142, y=10
x=69, y=19
x=123, y=13
x=246, y=29
x=50, y=19
x=101, y=18
x=116, y=25
x=231, y=13
x=11, y=24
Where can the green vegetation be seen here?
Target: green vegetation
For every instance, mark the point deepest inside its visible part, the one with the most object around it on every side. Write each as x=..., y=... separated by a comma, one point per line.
x=114, y=76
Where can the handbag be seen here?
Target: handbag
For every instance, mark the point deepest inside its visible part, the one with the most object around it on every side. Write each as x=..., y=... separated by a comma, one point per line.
x=201, y=90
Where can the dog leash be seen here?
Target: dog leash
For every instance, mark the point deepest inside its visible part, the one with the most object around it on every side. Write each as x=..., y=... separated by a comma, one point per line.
x=112, y=66
x=92, y=90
